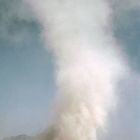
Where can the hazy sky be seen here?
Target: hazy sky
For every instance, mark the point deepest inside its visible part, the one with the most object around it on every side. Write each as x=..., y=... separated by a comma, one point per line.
x=27, y=84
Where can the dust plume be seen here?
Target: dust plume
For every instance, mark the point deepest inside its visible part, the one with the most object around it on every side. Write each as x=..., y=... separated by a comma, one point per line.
x=88, y=65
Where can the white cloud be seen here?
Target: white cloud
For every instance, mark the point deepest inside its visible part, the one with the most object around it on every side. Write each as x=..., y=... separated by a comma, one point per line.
x=88, y=63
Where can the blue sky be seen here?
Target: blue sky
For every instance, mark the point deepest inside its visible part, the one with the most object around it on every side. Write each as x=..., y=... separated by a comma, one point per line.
x=26, y=75
x=27, y=84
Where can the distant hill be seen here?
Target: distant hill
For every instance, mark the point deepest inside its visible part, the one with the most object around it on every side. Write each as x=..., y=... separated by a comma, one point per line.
x=19, y=137
x=48, y=135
